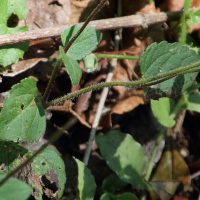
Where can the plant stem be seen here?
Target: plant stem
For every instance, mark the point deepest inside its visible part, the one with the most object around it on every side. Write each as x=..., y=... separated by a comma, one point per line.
x=51, y=81
x=59, y=61
x=90, y=17
x=53, y=138
x=137, y=84
x=117, y=56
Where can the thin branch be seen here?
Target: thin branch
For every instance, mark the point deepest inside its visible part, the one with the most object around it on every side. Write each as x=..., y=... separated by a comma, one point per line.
x=139, y=20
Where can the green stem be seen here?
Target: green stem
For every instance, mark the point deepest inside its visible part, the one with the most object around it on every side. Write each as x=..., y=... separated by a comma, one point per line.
x=56, y=67
x=55, y=136
x=137, y=84
x=117, y=56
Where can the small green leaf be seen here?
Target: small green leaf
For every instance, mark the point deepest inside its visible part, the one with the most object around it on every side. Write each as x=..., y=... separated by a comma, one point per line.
x=11, y=53
x=72, y=66
x=12, y=155
x=124, y=156
x=124, y=196
x=90, y=63
x=194, y=102
x=162, y=110
x=195, y=17
x=86, y=184
x=22, y=117
x=164, y=57
x=113, y=182
x=14, y=189
x=84, y=44
x=50, y=164
x=187, y=5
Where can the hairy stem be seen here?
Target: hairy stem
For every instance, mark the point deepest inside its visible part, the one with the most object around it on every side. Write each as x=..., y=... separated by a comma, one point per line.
x=117, y=56
x=129, y=84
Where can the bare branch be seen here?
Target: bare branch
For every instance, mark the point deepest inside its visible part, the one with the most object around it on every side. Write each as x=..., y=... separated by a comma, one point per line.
x=139, y=20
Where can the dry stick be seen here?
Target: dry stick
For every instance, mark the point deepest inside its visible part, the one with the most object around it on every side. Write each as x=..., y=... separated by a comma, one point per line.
x=104, y=94
x=106, y=24
x=59, y=60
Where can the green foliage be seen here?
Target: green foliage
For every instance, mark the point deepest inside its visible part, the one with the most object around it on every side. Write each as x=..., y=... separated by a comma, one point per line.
x=50, y=164
x=81, y=47
x=112, y=183
x=90, y=63
x=86, y=184
x=124, y=196
x=22, y=116
x=125, y=157
x=11, y=53
x=72, y=66
x=12, y=155
x=14, y=189
x=164, y=57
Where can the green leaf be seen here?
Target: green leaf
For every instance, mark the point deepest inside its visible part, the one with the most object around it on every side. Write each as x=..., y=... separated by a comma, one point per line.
x=124, y=196
x=90, y=63
x=195, y=17
x=124, y=156
x=12, y=155
x=86, y=184
x=194, y=102
x=22, y=117
x=50, y=164
x=187, y=5
x=20, y=8
x=84, y=44
x=164, y=57
x=72, y=66
x=11, y=53
x=14, y=189
x=162, y=110
x=113, y=182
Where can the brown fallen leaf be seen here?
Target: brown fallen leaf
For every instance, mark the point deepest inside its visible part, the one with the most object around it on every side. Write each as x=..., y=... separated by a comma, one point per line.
x=172, y=167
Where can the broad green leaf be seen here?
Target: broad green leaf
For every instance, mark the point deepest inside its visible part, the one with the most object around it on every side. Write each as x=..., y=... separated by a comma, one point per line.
x=124, y=156
x=113, y=182
x=124, y=196
x=90, y=63
x=12, y=155
x=164, y=57
x=84, y=44
x=22, y=117
x=20, y=8
x=162, y=110
x=194, y=102
x=86, y=184
x=11, y=53
x=72, y=66
x=50, y=164
x=14, y=189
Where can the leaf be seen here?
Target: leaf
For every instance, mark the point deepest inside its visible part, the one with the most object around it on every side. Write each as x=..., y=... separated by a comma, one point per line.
x=162, y=110
x=50, y=164
x=12, y=155
x=22, y=117
x=195, y=17
x=90, y=63
x=194, y=102
x=187, y=5
x=86, y=184
x=84, y=44
x=72, y=66
x=164, y=189
x=124, y=196
x=14, y=189
x=124, y=156
x=161, y=58
x=11, y=53
x=112, y=183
